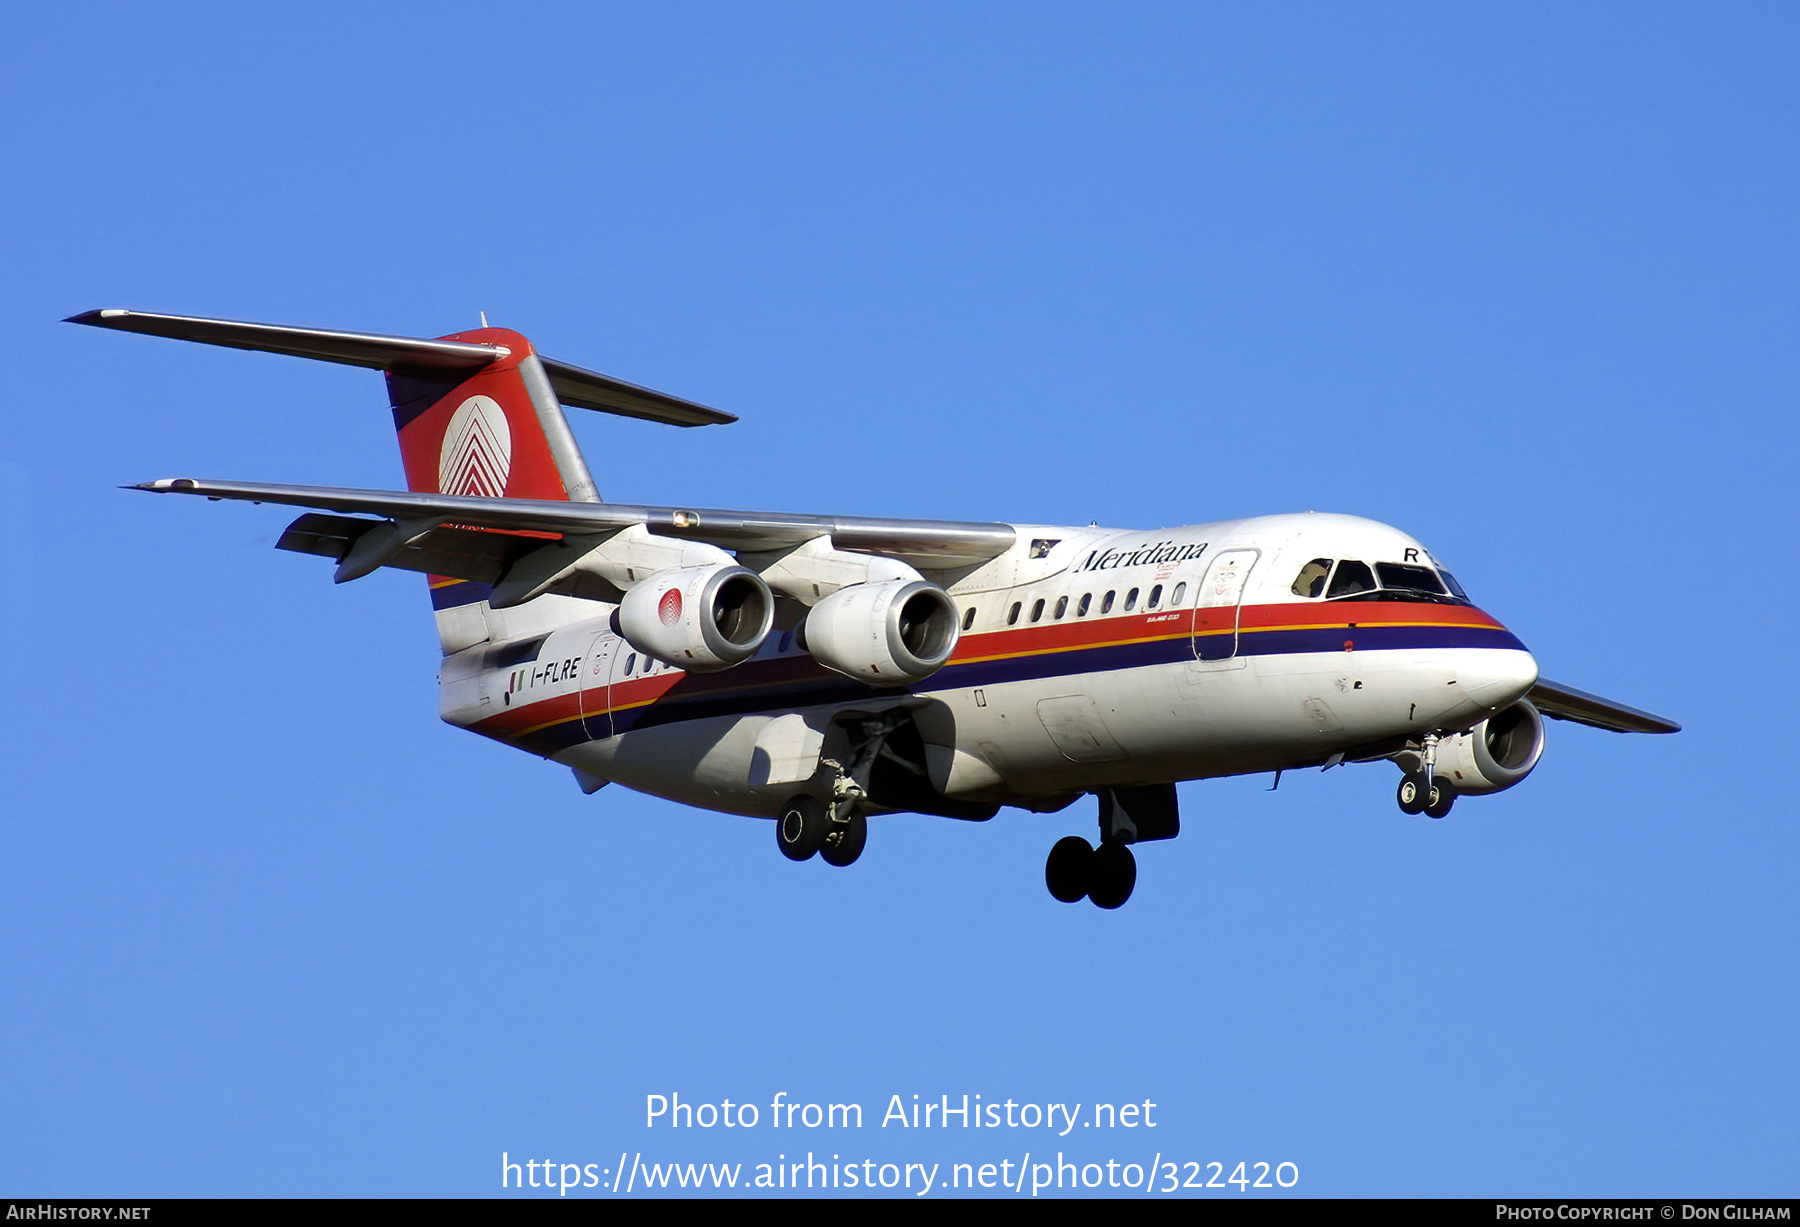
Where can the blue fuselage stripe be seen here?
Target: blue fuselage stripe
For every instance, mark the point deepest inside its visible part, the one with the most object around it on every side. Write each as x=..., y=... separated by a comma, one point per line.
x=794, y=682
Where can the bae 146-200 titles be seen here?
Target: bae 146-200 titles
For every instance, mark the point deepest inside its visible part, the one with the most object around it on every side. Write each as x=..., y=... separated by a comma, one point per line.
x=820, y=670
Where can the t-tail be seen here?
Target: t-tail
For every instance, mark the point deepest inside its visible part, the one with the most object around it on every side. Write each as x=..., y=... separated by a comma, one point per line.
x=478, y=413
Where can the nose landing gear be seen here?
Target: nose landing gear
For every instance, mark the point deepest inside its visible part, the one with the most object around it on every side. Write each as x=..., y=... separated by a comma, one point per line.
x=1418, y=797
x=1421, y=792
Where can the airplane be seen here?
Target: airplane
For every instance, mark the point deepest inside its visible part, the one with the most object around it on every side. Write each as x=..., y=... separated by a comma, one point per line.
x=820, y=670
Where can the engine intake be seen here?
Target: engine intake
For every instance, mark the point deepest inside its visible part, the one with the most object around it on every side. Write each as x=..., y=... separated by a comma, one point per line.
x=698, y=618
x=885, y=634
x=1495, y=754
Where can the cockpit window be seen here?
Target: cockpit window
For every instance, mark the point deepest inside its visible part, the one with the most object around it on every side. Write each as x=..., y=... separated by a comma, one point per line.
x=1351, y=579
x=1456, y=589
x=1393, y=581
x=1407, y=577
x=1312, y=578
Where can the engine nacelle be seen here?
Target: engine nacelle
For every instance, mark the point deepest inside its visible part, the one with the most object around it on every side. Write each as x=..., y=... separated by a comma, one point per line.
x=885, y=634
x=1495, y=754
x=698, y=618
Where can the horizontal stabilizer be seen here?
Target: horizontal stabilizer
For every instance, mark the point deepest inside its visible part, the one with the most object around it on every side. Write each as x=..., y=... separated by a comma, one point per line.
x=581, y=389
x=930, y=545
x=1567, y=703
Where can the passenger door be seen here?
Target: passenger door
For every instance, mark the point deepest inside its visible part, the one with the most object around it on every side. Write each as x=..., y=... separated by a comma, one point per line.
x=1221, y=597
x=596, y=685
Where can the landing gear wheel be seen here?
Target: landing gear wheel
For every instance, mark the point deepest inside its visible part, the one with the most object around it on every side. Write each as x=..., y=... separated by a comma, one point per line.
x=1114, y=874
x=1411, y=796
x=844, y=841
x=801, y=827
x=1442, y=798
x=1069, y=869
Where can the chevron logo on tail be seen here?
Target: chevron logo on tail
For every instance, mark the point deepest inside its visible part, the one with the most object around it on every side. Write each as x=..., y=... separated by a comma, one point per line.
x=477, y=453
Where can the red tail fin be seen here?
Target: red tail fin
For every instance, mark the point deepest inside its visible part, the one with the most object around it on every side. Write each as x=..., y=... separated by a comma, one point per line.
x=481, y=435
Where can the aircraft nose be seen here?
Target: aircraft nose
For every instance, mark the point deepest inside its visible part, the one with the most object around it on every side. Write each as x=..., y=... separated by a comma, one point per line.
x=1500, y=678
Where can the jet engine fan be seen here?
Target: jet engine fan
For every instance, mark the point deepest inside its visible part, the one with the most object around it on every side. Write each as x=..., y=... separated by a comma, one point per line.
x=886, y=634
x=1495, y=754
x=698, y=618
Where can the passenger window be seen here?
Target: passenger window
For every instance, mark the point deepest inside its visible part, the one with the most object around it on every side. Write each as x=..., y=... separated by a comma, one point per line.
x=1012, y=615
x=1350, y=579
x=1106, y=605
x=630, y=663
x=1087, y=598
x=1312, y=578
x=1179, y=595
x=1037, y=609
x=1062, y=607
x=1155, y=597
x=1131, y=600
x=969, y=618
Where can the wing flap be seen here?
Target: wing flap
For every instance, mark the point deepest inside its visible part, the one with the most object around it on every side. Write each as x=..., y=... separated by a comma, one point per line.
x=455, y=553
x=1567, y=703
x=930, y=545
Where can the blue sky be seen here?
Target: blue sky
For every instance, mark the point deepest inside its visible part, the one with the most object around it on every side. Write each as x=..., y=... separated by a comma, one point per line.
x=1520, y=280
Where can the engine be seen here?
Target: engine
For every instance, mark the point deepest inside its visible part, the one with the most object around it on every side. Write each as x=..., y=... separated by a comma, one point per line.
x=885, y=634
x=1495, y=754
x=698, y=618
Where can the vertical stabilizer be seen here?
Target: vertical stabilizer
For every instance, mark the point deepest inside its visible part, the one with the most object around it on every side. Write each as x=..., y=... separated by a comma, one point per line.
x=496, y=433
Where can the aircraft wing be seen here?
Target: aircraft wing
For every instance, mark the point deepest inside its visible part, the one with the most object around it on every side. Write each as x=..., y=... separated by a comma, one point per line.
x=1567, y=703
x=930, y=545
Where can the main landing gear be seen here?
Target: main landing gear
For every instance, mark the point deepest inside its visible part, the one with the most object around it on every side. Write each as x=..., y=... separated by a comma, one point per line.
x=807, y=825
x=1077, y=870
x=1129, y=815
x=883, y=769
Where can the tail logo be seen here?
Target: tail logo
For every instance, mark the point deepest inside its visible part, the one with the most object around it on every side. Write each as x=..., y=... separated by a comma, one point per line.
x=477, y=451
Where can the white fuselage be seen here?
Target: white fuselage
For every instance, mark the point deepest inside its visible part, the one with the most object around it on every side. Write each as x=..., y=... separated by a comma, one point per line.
x=1088, y=657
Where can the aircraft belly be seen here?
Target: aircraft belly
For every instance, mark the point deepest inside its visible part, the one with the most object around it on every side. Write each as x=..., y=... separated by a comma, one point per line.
x=1176, y=722
x=747, y=765
x=1049, y=736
